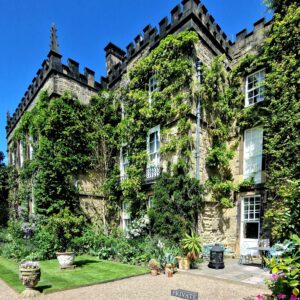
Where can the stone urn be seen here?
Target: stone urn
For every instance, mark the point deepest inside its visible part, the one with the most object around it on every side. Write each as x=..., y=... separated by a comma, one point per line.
x=66, y=260
x=154, y=267
x=30, y=274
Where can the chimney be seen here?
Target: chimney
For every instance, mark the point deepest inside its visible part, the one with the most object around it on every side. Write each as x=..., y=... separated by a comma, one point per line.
x=114, y=55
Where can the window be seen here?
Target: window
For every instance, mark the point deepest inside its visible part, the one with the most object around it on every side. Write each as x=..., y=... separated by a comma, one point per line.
x=29, y=148
x=255, y=88
x=150, y=202
x=253, y=145
x=153, y=146
x=123, y=111
x=20, y=154
x=125, y=216
x=124, y=161
x=251, y=216
x=11, y=156
x=153, y=86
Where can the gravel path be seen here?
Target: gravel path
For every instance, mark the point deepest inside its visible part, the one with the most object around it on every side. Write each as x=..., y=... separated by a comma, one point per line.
x=7, y=292
x=152, y=288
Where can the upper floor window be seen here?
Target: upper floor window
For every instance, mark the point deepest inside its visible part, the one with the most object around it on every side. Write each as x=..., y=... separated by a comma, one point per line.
x=153, y=86
x=153, y=146
x=123, y=111
x=124, y=161
x=20, y=154
x=253, y=148
x=255, y=87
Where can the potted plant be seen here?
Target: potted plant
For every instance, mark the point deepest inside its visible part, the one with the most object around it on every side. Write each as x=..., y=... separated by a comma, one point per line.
x=170, y=262
x=192, y=247
x=154, y=266
x=30, y=274
x=64, y=226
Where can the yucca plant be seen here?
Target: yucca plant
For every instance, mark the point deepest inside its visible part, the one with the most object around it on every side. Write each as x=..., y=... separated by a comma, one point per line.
x=192, y=245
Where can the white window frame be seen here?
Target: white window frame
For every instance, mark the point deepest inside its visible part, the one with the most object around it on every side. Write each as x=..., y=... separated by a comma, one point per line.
x=150, y=201
x=153, y=86
x=126, y=218
x=256, y=211
x=21, y=152
x=30, y=147
x=123, y=111
x=258, y=86
x=253, y=159
x=124, y=162
x=156, y=161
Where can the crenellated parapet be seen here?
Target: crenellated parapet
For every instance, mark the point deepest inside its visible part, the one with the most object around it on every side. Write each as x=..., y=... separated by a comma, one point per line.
x=52, y=65
x=250, y=41
x=190, y=14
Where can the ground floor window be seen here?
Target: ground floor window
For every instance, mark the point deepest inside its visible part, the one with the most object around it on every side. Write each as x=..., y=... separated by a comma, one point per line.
x=125, y=215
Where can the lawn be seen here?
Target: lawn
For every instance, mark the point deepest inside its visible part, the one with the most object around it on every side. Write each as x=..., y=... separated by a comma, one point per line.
x=89, y=270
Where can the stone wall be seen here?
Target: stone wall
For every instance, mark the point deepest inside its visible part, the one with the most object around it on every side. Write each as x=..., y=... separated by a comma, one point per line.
x=217, y=225
x=93, y=208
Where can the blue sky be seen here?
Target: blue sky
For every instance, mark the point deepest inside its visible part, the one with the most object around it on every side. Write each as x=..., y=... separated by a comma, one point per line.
x=84, y=29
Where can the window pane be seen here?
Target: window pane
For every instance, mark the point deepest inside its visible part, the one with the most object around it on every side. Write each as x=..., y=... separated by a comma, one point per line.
x=254, y=87
x=251, y=230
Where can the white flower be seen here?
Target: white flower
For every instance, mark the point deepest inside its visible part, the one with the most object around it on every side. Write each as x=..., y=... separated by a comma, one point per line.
x=160, y=244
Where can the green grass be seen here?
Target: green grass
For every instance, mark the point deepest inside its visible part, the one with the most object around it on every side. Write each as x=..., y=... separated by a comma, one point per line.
x=89, y=270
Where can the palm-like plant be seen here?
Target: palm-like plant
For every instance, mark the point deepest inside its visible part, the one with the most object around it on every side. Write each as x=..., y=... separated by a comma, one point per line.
x=192, y=245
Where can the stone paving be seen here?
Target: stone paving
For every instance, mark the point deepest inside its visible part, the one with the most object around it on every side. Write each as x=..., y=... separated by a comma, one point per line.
x=245, y=274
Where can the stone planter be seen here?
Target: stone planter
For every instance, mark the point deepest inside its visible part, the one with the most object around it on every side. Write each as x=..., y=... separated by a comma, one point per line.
x=184, y=263
x=30, y=278
x=66, y=260
x=154, y=272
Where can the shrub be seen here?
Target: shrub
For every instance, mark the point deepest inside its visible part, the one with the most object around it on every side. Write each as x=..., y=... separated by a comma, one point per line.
x=17, y=249
x=64, y=227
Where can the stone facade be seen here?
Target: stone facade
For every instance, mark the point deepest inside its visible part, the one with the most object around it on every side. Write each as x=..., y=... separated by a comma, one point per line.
x=215, y=224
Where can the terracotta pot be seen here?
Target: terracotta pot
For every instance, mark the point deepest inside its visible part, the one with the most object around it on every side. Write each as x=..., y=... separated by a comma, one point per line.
x=184, y=263
x=169, y=272
x=66, y=259
x=30, y=277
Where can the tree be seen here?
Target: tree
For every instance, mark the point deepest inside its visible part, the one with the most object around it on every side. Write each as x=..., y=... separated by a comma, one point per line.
x=3, y=191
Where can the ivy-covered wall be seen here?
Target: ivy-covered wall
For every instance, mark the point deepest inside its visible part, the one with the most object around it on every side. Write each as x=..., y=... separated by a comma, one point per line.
x=81, y=144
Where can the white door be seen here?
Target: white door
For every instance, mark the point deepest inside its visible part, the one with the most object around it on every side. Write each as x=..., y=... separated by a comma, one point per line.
x=250, y=224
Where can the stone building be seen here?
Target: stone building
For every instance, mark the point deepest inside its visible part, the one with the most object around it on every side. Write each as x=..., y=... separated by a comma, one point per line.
x=235, y=227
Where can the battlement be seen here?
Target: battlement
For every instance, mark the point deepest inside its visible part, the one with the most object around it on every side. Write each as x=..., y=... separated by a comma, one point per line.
x=180, y=15
x=244, y=39
x=49, y=66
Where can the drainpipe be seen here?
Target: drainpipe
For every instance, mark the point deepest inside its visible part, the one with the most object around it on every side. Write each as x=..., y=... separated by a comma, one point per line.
x=198, y=115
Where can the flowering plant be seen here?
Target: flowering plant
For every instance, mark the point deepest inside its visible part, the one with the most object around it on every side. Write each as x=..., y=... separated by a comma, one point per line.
x=138, y=227
x=30, y=265
x=154, y=264
x=284, y=281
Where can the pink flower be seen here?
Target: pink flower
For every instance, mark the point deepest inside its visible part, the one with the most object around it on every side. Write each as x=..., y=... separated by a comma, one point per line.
x=281, y=296
x=260, y=297
x=293, y=297
x=274, y=276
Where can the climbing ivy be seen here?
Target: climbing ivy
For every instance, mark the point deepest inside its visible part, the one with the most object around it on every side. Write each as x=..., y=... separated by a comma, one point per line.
x=221, y=103
x=58, y=130
x=279, y=116
x=3, y=191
